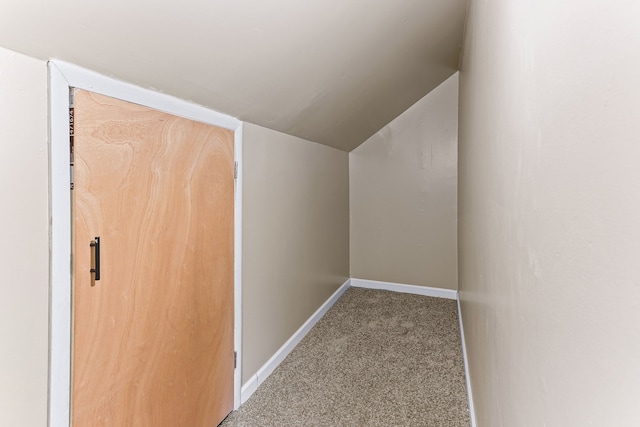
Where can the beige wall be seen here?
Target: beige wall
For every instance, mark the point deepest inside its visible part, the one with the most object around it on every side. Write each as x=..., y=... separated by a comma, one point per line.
x=295, y=236
x=549, y=202
x=24, y=241
x=403, y=190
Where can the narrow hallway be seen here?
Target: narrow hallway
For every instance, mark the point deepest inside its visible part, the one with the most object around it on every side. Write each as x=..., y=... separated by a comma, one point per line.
x=376, y=358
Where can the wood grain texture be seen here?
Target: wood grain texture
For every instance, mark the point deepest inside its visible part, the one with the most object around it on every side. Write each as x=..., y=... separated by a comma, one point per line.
x=153, y=340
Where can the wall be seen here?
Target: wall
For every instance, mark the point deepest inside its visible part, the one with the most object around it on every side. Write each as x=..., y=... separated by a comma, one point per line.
x=295, y=236
x=24, y=254
x=403, y=190
x=549, y=205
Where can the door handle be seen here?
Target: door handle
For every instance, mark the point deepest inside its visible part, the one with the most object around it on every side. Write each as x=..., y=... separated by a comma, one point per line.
x=95, y=260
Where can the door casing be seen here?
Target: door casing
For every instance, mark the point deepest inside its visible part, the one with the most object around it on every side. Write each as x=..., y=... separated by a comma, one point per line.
x=63, y=76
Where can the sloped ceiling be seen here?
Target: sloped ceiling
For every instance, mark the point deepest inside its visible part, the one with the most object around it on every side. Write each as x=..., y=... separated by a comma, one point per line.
x=331, y=71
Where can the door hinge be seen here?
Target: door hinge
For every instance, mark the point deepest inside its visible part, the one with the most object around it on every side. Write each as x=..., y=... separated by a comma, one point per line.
x=235, y=171
x=235, y=359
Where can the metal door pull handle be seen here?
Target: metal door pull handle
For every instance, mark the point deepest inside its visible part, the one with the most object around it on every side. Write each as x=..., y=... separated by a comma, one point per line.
x=95, y=260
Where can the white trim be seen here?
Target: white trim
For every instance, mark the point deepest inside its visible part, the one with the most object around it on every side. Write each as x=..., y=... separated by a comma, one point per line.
x=267, y=369
x=249, y=388
x=82, y=78
x=62, y=76
x=472, y=412
x=60, y=259
x=237, y=260
x=407, y=289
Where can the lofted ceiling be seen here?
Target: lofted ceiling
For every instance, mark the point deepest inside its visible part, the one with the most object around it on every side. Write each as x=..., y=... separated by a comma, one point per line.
x=331, y=71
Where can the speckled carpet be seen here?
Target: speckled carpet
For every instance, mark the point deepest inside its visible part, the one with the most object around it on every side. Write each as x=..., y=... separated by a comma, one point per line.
x=377, y=358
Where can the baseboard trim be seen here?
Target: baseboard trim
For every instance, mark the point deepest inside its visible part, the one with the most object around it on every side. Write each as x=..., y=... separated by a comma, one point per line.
x=267, y=369
x=407, y=289
x=248, y=389
x=472, y=412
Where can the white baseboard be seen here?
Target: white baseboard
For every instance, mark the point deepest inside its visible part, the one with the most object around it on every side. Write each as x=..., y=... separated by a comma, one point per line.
x=472, y=412
x=248, y=388
x=263, y=373
x=407, y=289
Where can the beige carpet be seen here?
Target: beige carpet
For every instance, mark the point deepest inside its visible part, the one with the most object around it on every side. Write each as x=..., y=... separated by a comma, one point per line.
x=377, y=358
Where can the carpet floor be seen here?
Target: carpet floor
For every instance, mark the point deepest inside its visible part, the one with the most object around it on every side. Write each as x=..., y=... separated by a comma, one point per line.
x=377, y=358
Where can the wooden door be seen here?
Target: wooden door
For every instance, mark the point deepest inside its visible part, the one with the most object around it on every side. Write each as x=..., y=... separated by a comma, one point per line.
x=153, y=339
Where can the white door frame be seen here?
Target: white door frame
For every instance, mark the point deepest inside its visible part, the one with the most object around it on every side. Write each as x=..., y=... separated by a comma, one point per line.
x=62, y=76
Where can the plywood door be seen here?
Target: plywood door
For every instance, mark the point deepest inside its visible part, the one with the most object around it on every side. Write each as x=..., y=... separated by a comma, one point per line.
x=153, y=339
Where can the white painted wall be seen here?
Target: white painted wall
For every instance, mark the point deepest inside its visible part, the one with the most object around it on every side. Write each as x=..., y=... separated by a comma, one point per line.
x=295, y=237
x=549, y=211
x=403, y=191
x=24, y=241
